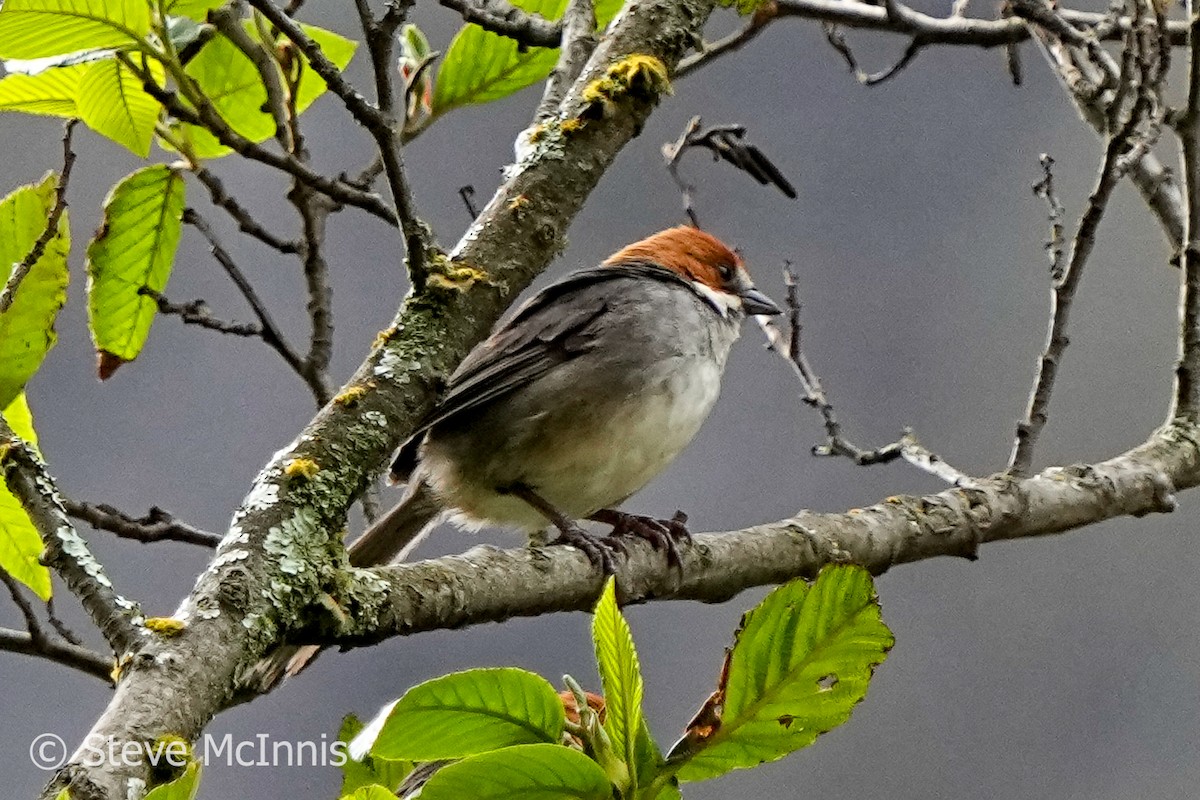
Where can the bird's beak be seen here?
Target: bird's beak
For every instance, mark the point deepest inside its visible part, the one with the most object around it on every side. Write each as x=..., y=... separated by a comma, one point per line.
x=756, y=303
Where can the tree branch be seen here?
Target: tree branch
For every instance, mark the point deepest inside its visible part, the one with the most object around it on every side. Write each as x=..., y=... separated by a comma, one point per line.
x=502, y=17
x=65, y=653
x=1187, y=372
x=156, y=526
x=246, y=223
x=119, y=619
x=197, y=312
x=490, y=585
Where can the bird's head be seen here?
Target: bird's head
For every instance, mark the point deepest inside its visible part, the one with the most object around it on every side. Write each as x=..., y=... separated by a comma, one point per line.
x=703, y=260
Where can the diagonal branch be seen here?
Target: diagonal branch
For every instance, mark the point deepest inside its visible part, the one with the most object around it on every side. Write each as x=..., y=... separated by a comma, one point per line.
x=119, y=619
x=35, y=642
x=1187, y=372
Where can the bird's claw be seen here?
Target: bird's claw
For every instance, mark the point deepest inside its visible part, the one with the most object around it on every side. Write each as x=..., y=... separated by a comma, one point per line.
x=598, y=549
x=662, y=534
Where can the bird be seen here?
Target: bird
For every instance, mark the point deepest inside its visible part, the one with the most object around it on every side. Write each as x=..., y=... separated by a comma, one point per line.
x=585, y=394
x=582, y=397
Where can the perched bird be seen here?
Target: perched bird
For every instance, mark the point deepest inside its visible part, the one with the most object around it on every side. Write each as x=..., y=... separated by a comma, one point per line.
x=590, y=390
x=587, y=393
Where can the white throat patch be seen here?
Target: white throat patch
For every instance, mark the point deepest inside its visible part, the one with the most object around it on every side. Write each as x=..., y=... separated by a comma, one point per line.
x=723, y=302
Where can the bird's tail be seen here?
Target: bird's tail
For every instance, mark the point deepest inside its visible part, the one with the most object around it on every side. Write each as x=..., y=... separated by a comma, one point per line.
x=390, y=539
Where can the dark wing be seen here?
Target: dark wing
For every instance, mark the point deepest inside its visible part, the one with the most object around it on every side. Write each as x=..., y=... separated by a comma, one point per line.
x=551, y=328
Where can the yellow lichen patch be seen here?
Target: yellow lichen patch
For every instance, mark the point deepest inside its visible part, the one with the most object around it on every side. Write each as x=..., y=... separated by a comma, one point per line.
x=118, y=667
x=518, y=204
x=301, y=468
x=537, y=133
x=165, y=626
x=444, y=274
x=384, y=336
x=640, y=76
x=573, y=126
x=350, y=396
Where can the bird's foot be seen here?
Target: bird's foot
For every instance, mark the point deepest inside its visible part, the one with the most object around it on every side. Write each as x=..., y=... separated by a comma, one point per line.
x=662, y=534
x=599, y=549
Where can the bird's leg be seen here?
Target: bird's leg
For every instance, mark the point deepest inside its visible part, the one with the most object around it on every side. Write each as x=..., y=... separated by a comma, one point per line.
x=662, y=534
x=599, y=550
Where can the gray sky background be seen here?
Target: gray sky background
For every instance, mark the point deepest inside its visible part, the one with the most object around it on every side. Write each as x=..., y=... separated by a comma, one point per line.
x=1060, y=668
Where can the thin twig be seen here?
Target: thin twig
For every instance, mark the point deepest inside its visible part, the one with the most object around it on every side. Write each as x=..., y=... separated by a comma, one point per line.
x=59, y=625
x=197, y=312
x=270, y=332
x=467, y=193
x=65, y=653
x=502, y=17
x=32, y=624
x=1187, y=372
x=205, y=116
x=790, y=347
x=708, y=51
x=838, y=42
x=246, y=223
x=1064, y=289
x=1045, y=190
x=228, y=20
x=157, y=525
x=21, y=269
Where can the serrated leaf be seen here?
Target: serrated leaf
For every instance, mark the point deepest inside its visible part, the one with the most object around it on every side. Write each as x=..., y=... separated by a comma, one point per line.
x=51, y=92
x=27, y=327
x=112, y=102
x=620, y=675
x=134, y=247
x=801, y=662
x=40, y=28
x=182, y=788
x=470, y=712
x=232, y=82
x=523, y=772
x=480, y=66
x=20, y=544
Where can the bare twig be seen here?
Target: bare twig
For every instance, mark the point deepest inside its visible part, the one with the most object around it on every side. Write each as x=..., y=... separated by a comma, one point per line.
x=1187, y=372
x=727, y=143
x=118, y=619
x=59, y=625
x=270, y=332
x=157, y=525
x=467, y=193
x=19, y=270
x=578, y=42
x=790, y=346
x=1045, y=190
x=32, y=624
x=708, y=51
x=201, y=113
x=197, y=312
x=65, y=653
x=246, y=223
x=1120, y=143
x=228, y=20
x=314, y=213
x=502, y=17
x=838, y=42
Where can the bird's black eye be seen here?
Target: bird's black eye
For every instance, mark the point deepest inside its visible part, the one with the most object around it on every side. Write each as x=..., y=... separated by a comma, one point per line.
x=725, y=271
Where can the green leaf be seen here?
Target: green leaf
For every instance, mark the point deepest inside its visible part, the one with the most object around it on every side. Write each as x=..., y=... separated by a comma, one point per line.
x=620, y=675
x=523, y=772
x=182, y=788
x=471, y=712
x=111, y=102
x=40, y=28
x=370, y=770
x=231, y=81
x=801, y=662
x=20, y=544
x=196, y=9
x=370, y=792
x=27, y=327
x=51, y=92
x=134, y=247
x=480, y=66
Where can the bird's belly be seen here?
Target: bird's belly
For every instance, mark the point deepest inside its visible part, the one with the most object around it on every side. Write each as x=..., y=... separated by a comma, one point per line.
x=580, y=459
